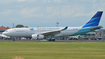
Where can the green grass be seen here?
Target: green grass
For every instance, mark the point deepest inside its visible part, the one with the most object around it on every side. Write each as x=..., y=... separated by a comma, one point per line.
x=52, y=50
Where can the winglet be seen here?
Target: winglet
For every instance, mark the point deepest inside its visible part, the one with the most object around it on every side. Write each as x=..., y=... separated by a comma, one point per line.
x=65, y=28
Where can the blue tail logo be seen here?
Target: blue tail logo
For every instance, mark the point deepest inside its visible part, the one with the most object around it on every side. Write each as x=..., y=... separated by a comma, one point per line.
x=94, y=21
x=31, y=29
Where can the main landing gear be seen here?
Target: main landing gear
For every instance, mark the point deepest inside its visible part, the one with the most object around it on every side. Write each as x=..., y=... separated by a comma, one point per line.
x=51, y=39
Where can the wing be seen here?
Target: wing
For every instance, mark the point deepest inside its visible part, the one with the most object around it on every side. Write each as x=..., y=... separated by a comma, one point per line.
x=52, y=33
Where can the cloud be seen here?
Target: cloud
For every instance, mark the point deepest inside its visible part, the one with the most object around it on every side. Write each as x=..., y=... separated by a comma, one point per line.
x=21, y=0
x=49, y=1
x=6, y=12
x=54, y=11
x=12, y=1
x=83, y=14
x=58, y=1
x=6, y=1
x=49, y=9
x=48, y=12
x=31, y=12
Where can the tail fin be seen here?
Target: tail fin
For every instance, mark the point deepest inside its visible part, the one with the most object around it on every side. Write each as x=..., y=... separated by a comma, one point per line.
x=94, y=21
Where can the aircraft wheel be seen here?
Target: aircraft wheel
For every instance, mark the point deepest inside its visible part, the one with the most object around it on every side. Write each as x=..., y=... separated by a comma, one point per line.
x=13, y=39
x=49, y=40
x=53, y=40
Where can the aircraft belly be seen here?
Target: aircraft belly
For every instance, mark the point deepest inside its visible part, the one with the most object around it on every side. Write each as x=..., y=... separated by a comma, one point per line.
x=67, y=33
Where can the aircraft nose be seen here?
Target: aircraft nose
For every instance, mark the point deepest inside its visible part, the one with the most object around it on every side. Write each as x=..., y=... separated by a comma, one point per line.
x=4, y=33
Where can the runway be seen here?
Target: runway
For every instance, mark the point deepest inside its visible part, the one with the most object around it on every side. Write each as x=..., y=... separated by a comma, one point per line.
x=52, y=41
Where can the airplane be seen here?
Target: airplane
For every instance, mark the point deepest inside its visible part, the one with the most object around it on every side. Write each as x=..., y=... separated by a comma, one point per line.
x=51, y=32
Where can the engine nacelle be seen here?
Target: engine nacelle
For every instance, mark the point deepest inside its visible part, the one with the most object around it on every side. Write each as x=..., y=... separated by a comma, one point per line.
x=36, y=36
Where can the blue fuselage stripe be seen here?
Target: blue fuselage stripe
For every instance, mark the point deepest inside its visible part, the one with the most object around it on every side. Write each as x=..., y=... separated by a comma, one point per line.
x=81, y=31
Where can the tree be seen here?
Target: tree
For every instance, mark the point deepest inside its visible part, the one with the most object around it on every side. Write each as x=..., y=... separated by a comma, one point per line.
x=19, y=26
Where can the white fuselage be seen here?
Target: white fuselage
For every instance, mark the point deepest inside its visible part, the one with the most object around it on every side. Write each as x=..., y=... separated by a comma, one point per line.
x=27, y=32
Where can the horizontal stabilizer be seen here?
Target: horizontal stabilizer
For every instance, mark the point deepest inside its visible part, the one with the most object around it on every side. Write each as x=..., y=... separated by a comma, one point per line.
x=99, y=27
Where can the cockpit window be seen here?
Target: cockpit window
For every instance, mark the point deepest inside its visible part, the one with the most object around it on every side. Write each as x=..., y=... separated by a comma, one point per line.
x=6, y=31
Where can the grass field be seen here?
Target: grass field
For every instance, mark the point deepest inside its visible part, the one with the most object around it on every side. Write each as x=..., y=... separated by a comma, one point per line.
x=52, y=50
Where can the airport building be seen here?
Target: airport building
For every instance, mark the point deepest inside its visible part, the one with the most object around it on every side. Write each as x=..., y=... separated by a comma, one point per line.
x=96, y=35
x=100, y=34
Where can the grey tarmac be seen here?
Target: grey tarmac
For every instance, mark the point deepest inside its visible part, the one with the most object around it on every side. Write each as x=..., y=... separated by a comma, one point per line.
x=52, y=41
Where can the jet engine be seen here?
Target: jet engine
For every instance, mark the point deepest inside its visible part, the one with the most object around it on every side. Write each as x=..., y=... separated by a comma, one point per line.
x=37, y=36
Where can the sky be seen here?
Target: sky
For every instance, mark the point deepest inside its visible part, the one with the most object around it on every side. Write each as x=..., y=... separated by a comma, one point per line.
x=45, y=13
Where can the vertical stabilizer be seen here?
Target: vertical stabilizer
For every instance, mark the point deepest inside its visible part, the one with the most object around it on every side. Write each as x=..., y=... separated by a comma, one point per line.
x=94, y=21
